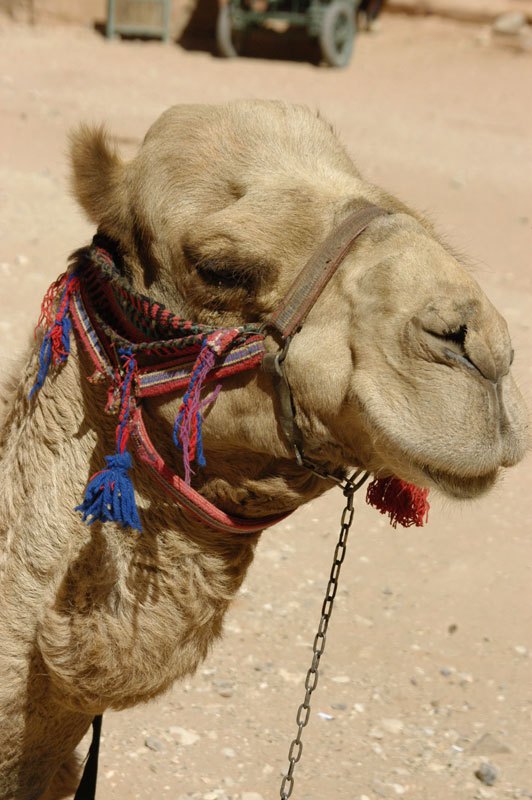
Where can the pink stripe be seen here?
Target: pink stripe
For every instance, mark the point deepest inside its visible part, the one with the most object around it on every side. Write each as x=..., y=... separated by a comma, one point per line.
x=93, y=348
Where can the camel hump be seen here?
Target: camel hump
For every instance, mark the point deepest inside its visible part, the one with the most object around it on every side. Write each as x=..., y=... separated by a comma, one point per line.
x=96, y=174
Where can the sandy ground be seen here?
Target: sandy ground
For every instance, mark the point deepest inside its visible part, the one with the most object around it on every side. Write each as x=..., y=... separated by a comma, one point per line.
x=463, y=10
x=427, y=672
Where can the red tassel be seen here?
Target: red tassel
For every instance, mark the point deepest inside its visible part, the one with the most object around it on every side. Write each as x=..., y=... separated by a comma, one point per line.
x=46, y=319
x=405, y=503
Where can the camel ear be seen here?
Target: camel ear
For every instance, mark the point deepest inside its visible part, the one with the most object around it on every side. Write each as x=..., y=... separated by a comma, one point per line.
x=97, y=176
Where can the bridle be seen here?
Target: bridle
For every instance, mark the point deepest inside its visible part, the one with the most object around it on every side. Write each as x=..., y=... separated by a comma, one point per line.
x=142, y=350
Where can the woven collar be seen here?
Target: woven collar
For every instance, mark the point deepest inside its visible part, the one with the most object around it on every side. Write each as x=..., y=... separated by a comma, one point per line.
x=142, y=349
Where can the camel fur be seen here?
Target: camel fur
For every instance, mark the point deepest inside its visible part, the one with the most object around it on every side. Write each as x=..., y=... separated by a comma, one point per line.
x=402, y=367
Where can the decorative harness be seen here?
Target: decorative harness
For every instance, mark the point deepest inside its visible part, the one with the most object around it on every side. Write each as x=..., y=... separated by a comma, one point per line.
x=142, y=349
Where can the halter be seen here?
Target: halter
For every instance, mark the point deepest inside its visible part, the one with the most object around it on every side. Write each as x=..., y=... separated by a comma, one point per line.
x=141, y=349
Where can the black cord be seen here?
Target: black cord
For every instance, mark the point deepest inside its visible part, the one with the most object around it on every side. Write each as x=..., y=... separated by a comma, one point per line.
x=87, y=787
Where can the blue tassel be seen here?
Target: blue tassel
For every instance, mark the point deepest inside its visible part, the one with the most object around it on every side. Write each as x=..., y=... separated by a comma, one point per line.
x=48, y=350
x=45, y=358
x=109, y=497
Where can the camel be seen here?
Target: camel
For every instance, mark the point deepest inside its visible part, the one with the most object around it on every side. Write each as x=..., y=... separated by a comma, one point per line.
x=402, y=368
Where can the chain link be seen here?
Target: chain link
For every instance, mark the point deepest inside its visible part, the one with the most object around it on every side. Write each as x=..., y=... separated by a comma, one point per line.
x=349, y=486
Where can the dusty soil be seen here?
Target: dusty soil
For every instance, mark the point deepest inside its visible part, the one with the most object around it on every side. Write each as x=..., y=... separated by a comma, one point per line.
x=427, y=671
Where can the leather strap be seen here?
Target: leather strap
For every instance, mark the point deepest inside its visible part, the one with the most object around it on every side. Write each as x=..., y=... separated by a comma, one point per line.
x=289, y=316
x=273, y=365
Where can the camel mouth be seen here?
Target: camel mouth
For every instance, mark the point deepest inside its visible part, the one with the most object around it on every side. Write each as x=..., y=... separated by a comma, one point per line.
x=396, y=459
x=459, y=486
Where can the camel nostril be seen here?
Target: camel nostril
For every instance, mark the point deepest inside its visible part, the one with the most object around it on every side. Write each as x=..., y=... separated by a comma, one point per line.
x=466, y=347
x=455, y=352
x=456, y=336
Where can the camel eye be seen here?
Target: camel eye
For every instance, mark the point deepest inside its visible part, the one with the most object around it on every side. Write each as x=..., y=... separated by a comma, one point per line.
x=219, y=273
x=220, y=277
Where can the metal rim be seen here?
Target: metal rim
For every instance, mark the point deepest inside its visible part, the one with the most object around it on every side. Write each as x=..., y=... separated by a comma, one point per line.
x=228, y=43
x=337, y=34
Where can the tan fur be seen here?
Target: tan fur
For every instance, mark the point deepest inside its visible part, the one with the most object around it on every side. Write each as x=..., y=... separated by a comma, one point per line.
x=92, y=618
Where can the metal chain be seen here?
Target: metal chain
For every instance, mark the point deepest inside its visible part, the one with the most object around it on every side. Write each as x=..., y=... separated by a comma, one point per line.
x=349, y=487
x=344, y=482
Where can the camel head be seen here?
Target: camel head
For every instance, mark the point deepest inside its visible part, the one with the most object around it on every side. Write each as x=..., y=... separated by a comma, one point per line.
x=403, y=365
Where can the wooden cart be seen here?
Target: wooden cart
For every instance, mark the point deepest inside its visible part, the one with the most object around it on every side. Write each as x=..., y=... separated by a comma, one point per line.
x=331, y=22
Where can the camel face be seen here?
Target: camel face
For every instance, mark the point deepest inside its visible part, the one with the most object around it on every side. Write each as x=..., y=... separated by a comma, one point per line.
x=403, y=366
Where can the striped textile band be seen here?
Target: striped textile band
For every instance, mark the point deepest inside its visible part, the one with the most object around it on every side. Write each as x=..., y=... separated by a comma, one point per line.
x=173, y=374
x=158, y=381
x=128, y=318
x=89, y=337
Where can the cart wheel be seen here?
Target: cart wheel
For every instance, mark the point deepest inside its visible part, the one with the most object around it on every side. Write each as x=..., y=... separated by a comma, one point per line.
x=337, y=33
x=229, y=41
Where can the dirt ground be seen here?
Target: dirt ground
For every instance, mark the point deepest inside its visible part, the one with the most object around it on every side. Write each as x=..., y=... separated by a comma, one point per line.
x=427, y=670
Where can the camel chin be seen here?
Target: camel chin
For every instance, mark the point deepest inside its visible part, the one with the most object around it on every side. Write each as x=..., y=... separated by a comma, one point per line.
x=450, y=484
x=460, y=487
x=456, y=485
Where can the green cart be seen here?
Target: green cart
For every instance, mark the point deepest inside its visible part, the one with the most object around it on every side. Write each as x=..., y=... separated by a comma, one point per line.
x=331, y=22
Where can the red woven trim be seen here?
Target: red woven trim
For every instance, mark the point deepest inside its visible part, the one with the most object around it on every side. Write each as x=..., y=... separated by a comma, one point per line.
x=128, y=329
x=186, y=496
